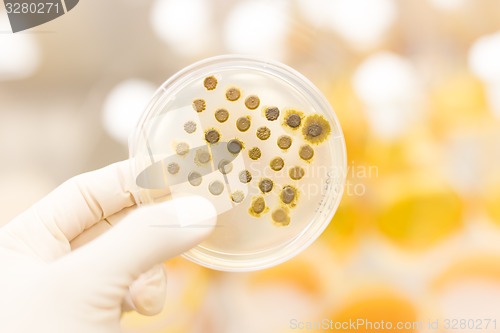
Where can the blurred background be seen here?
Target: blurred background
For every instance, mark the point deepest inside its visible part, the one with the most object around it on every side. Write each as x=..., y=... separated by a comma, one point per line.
x=415, y=84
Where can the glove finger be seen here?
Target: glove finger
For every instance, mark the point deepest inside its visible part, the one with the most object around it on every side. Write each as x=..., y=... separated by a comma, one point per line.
x=73, y=207
x=99, y=228
x=147, y=237
x=147, y=294
x=90, y=234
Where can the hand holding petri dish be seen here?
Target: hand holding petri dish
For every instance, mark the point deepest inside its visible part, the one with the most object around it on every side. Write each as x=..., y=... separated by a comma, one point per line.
x=259, y=141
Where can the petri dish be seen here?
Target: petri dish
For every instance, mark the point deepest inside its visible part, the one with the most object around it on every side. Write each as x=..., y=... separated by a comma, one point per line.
x=256, y=138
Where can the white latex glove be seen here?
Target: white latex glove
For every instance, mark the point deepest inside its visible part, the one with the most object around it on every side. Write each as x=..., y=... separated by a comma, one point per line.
x=45, y=287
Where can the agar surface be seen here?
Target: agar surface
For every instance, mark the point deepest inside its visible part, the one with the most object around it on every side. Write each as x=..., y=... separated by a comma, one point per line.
x=309, y=130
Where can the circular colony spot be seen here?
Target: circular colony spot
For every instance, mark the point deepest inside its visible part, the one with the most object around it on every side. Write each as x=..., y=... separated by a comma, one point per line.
x=216, y=187
x=245, y=176
x=258, y=205
x=272, y=113
x=293, y=120
x=173, y=168
x=190, y=127
x=277, y=163
x=234, y=146
x=221, y=115
x=233, y=94
x=296, y=173
x=266, y=185
x=199, y=105
x=212, y=136
x=238, y=196
x=306, y=152
x=316, y=128
x=263, y=133
x=254, y=153
x=284, y=142
x=243, y=123
x=210, y=83
x=202, y=156
x=252, y=102
x=194, y=178
x=182, y=148
x=225, y=167
x=288, y=194
x=281, y=217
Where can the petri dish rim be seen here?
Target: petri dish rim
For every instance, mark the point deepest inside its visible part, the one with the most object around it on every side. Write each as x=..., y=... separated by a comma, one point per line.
x=276, y=255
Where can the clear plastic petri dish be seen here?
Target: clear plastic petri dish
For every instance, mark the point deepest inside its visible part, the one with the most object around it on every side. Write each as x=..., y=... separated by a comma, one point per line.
x=259, y=141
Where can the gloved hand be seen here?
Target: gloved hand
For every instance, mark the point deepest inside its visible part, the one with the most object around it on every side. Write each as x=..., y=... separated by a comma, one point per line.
x=45, y=287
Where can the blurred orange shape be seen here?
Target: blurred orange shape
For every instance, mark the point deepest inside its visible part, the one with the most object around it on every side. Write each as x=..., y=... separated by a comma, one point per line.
x=385, y=310
x=468, y=294
x=492, y=200
x=297, y=274
x=340, y=235
x=481, y=267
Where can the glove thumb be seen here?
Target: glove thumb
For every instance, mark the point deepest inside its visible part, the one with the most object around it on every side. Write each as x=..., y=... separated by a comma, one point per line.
x=148, y=236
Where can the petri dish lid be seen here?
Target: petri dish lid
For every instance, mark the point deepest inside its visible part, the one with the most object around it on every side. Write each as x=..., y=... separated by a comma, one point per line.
x=259, y=141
